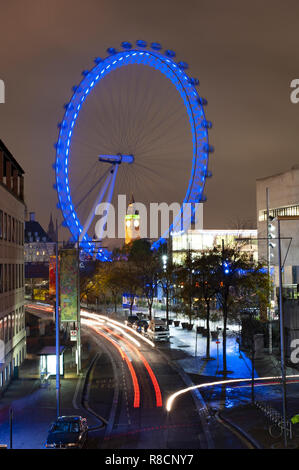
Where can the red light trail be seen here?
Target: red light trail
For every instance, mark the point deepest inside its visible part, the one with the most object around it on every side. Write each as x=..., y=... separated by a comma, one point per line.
x=124, y=356
x=146, y=365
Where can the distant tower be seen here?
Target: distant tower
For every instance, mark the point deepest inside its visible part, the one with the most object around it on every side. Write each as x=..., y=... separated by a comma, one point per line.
x=132, y=222
x=51, y=231
x=57, y=238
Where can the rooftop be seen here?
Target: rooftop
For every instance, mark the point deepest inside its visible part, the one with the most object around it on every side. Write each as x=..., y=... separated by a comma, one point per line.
x=34, y=233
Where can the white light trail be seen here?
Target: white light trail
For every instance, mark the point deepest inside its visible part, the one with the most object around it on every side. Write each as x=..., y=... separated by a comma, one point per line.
x=131, y=330
x=119, y=325
x=124, y=333
x=109, y=322
x=172, y=397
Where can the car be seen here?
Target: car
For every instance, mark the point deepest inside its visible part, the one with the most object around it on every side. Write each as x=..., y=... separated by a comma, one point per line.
x=140, y=325
x=131, y=320
x=67, y=432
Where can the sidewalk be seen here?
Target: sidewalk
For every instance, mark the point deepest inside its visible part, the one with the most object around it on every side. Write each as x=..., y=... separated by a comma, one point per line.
x=34, y=408
x=238, y=363
x=233, y=402
x=253, y=423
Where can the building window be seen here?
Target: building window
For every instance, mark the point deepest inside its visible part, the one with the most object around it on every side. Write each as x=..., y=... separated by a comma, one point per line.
x=5, y=330
x=13, y=324
x=9, y=228
x=13, y=229
x=4, y=226
x=1, y=224
x=284, y=211
x=9, y=327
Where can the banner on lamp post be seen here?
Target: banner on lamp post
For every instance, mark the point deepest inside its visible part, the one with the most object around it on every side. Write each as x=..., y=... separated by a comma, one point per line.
x=52, y=275
x=68, y=285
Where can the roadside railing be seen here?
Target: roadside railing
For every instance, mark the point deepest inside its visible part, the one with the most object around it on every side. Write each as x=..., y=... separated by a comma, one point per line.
x=276, y=422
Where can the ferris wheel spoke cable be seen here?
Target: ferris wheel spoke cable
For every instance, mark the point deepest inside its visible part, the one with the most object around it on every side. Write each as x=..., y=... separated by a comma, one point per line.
x=145, y=104
x=159, y=119
x=109, y=198
x=76, y=206
x=97, y=201
x=83, y=180
x=92, y=188
x=144, y=188
x=160, y=132
x=147, y=169
x=156, y=113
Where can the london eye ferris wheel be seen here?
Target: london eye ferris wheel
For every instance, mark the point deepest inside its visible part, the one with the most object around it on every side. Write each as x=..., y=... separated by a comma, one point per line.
x=134, y=124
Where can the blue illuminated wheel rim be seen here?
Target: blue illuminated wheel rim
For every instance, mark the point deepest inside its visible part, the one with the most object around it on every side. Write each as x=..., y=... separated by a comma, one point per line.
x=194, y=104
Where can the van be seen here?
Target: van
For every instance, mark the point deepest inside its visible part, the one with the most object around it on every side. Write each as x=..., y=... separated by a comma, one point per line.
x=158, y=330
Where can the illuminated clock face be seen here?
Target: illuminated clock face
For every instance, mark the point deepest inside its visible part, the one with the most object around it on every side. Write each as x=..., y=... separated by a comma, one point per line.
x=136, y=223
x=128, y=223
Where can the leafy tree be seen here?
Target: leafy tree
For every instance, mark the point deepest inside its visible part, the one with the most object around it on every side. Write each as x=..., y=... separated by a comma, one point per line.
x=186, y=291
x=166, y=280
x=205, y=285
x=111, y=280
x=147, y=265
x=238, y=280
x=130, y=281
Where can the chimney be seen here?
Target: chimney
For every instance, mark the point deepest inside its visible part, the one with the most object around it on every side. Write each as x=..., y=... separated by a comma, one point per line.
x=32, y=216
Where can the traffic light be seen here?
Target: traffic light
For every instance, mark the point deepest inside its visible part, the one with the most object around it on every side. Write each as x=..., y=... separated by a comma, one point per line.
x=271, y=233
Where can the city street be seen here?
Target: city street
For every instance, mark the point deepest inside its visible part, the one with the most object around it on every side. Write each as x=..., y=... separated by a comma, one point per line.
x=149, y=228
x=148, y=425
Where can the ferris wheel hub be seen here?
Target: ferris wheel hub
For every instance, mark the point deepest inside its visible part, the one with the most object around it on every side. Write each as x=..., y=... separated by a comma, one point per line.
x=116, y=159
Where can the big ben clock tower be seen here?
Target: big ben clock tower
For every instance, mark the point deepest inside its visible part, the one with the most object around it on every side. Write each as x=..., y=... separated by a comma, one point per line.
x=132, y=223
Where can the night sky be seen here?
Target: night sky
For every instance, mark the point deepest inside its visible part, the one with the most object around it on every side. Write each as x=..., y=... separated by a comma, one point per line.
x=245, y=54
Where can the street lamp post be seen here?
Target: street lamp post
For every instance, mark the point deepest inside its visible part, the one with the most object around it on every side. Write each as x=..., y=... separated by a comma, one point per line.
x=269, y=274
x=282, y=342
x=57, y=335
x=78, y=313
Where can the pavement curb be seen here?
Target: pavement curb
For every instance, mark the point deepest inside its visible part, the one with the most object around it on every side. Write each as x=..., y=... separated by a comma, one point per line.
x=109, y=423
x=241, y=431
x=84, y=401
x=202, y=409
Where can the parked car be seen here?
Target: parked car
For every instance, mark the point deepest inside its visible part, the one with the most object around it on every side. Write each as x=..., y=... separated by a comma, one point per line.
x=140, y=325
x=131, y=320
x=67, y=432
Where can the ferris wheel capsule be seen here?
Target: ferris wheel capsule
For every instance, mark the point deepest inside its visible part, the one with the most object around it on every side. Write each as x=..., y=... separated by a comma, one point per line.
x=170, y=53
x=111, y=50
x=141, y=43
x=126, y=45
x=183, y=65
x=156, y=46
x=194, y=81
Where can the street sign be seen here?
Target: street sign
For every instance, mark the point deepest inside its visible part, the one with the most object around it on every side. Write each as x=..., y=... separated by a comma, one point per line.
x=73, y=334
